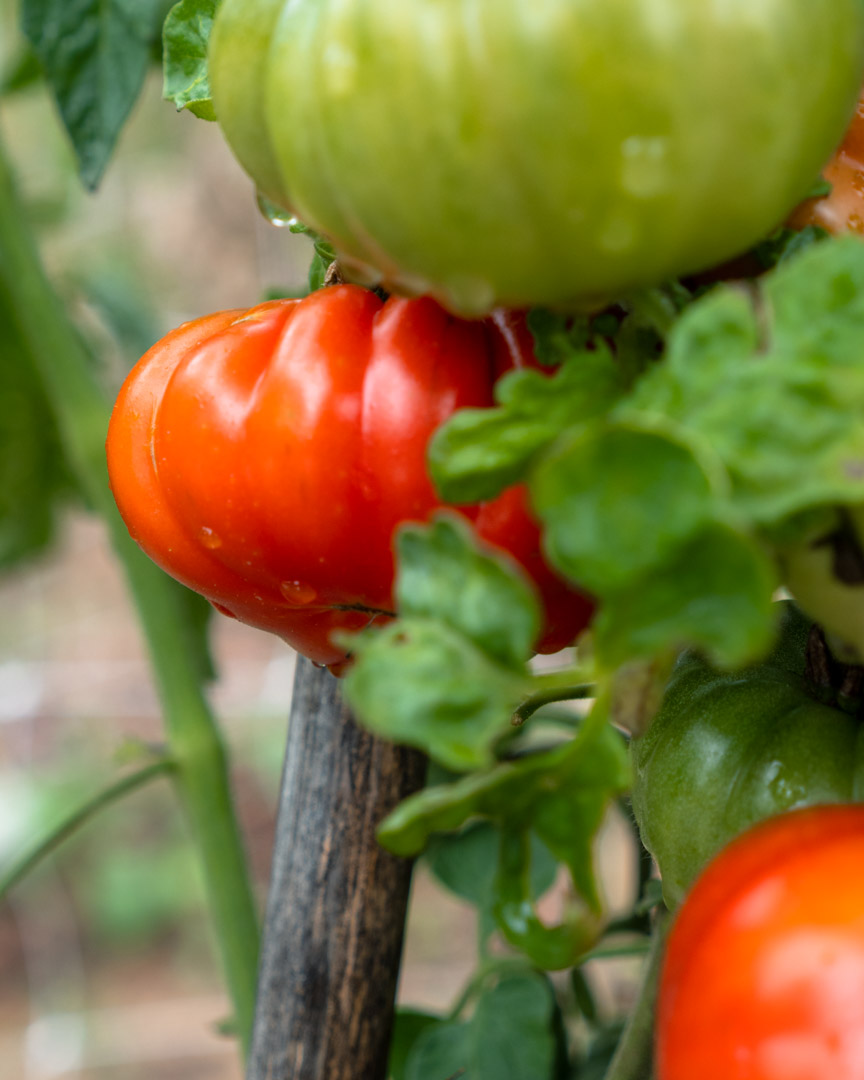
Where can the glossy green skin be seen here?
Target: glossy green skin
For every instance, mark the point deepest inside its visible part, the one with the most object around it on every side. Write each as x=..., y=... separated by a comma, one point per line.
x=808, y=571
x=728, y=750
x=552, y=152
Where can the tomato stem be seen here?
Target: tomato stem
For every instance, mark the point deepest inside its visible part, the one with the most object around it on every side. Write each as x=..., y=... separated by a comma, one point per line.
x=548, y=697
x=67, y=372
x=73, y=821
x=634, y=1057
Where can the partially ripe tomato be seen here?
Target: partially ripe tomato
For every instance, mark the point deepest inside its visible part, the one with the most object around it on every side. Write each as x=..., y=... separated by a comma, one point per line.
x=763, y=977
x=551, y=152
x=265, y=458
x=843, y=209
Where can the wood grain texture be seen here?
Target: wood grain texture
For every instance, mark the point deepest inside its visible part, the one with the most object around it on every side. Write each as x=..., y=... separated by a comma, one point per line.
x=337, y=903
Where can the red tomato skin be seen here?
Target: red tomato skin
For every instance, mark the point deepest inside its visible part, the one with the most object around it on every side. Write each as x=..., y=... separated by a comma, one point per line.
x=763, y=977
x=266, y=458
x=842, y=210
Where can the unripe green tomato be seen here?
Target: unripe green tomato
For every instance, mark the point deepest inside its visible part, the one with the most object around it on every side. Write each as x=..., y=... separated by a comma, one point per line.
x=554, y=152
x=727, y=750
x=810, y=572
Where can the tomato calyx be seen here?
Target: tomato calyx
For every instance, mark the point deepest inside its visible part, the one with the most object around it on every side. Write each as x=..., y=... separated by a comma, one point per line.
x=830, y=680
x=847, y=557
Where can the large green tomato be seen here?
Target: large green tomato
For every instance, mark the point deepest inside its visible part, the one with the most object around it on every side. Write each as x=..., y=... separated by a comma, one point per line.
x=550, y=152
x=727, y=750
x=815, y=569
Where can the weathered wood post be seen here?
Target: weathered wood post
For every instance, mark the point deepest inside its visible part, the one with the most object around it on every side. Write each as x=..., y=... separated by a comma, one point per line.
x=337, y=903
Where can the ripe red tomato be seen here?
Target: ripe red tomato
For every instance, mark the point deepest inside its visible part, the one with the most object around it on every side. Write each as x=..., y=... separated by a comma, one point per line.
x=266, y=457
x=764, y=971
x=843, y=209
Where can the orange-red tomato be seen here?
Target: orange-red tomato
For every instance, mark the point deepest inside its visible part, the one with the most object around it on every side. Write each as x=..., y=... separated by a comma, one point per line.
x=266, y=457
x=763, y=977
x=843, y=209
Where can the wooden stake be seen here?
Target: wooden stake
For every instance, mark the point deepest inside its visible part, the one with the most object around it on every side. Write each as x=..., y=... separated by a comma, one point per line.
x=336, y=910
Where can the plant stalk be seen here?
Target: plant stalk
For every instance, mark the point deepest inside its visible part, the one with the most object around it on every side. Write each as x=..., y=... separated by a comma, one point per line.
x=73, y=821
x=68, y=375
x=634, y=1058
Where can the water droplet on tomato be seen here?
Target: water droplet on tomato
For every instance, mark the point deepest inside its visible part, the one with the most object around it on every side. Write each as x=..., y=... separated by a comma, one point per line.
x=223, y=610
x=274, y=213
x=300, y=593
x=645, y=165
x=209, y=539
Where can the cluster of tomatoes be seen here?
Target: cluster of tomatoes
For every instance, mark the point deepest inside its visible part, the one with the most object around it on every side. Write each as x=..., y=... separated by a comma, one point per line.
x=267, y=457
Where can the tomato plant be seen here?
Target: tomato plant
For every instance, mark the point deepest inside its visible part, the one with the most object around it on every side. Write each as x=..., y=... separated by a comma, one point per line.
x=266, y=457
x=680, y=448
x=555, y=157
x=764, y=971
x=729, y=749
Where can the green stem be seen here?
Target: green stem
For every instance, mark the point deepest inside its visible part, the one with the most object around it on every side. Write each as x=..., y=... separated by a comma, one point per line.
x=548, y=697
x=654, y=307
x=67, y=371
x=634, y=1058
x=78, y=817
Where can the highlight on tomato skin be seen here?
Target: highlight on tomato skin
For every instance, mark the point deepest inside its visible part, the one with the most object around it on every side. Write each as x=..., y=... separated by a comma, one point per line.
x=763, y=977
x=265, y=458
x=842, y=210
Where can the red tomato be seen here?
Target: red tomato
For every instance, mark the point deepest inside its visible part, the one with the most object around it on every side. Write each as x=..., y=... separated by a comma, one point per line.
x=265, y=458
x=842, y=210
x=764, y=971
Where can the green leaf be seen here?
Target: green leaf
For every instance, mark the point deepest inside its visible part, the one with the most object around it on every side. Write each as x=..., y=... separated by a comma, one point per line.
x=786, y=243
x=443, y=574
x=774, y=385
x=467, y=862
x=559, y=337
x=419, y=683
x=510, y=1037
x=617, y=501
x=714, y=593
x=94, y=54
x=479, y=452
x=20, y=74
x=34, y=478
x=325, y=253
x=443, y=1052
x=186, y=36
x=518, y=794
x=447, y=676
x=408, y=1026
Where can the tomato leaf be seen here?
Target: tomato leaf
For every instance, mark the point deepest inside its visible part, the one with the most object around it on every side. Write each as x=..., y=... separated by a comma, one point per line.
x=466, y=863
x=617, y=501
x=448, y=675
x=479, y=452
x=94, y=54
x=715, y=593
x=511, y=1036
x=20, y=73
x=34, y=478
x=408, y=1026
x=185, y=37
x=444, y=575
x=422, y=684
x=561, y=794
x=790, y=362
